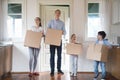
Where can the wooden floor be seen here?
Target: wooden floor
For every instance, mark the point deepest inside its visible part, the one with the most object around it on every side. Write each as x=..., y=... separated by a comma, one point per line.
x=46, y=76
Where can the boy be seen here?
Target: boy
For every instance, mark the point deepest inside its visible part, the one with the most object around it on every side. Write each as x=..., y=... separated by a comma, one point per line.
x=101, y=40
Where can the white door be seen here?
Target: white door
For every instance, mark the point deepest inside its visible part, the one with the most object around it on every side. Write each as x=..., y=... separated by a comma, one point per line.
x=47, y=13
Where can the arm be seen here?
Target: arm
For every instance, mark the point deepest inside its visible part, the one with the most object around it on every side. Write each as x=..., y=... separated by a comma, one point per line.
x=49, y=24
x=108, y=44
x=63, y=29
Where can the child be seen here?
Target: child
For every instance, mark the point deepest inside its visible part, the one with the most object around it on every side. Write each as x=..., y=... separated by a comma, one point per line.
x=73, y=58
x=34, y=52
x=101, y=40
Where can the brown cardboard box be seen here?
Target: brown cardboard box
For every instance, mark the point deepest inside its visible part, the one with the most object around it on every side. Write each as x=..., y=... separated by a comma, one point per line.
x=74, y=49
x=97, y=52
x=53, y=37
x=33, y=39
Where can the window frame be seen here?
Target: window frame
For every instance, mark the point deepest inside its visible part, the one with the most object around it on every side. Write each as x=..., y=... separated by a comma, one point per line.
x=86, y=28
x=23, y=16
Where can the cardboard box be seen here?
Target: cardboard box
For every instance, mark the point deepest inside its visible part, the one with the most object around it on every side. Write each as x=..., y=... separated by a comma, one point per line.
x=53, y=37
x=97, y=52
x=33, y=39
x=74, y=49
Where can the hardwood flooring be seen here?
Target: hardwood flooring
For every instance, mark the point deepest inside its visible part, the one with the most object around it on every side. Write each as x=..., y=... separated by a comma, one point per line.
x=46, y=76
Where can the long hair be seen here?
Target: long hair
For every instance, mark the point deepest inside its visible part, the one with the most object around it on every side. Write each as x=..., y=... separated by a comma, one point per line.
x=72, y=36
x=39, y=20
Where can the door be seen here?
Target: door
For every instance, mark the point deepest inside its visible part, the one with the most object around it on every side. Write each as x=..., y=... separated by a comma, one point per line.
x=47, y=13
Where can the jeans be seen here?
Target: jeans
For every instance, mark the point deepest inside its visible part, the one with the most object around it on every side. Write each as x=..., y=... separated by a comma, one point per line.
x=74, y=64
x=34, y=53
x=102, y=64
x=52, y=57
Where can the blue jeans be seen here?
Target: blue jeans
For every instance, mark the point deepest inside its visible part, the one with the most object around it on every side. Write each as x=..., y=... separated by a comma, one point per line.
x=74, y=64
x=102, y=64
x=52, y=57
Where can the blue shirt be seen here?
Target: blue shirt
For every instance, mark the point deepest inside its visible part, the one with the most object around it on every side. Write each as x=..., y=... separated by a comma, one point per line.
x=105, y=42
x=58, y=25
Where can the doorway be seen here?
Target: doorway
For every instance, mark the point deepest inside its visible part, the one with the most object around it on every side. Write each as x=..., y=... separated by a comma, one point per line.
x=47, y=13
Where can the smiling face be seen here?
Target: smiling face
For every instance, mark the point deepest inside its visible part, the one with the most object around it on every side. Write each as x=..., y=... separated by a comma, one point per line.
x=73, y=38
x=38, y=21
x=57, y=14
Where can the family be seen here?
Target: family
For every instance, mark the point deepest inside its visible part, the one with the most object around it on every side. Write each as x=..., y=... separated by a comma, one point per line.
x=59, y=25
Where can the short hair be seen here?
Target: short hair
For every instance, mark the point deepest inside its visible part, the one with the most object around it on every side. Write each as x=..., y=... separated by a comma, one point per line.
x=58, y=11
x=102, y=33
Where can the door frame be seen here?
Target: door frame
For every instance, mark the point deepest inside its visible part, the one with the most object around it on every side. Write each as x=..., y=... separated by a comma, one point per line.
x=57, y=2
x=52, y=3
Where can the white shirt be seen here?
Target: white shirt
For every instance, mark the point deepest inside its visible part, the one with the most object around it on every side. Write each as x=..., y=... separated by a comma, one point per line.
x=40, y=29
x=100, y=42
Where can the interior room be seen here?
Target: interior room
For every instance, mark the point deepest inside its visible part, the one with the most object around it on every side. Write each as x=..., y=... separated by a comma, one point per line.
x=26, y=42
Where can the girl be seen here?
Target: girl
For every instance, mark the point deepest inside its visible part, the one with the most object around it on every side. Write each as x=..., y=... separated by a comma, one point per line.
x=73, y=58
x=34, y=52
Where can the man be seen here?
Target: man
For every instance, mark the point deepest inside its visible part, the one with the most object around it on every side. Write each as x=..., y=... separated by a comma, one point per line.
x=58, y=25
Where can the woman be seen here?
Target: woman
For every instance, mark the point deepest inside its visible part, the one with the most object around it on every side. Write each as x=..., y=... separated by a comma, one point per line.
x=34, y=52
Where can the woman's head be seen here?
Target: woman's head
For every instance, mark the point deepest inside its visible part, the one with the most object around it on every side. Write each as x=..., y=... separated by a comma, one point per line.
x=38, y=21
x=101, y=35
x=73, y=37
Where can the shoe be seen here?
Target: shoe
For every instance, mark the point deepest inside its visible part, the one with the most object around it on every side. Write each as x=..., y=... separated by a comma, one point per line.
x=36, y=74
x=30, y=74
x=60, y=72
x=75, y=75
x=102, y=79
x=71, y=74
x=94, y=78
x=52, y=74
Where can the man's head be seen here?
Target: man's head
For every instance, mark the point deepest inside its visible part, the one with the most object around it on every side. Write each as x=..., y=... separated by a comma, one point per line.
x=57, y=14
x=101, y=35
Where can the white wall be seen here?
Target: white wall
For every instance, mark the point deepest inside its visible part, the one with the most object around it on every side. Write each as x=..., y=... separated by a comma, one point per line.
x=115, y=32
x=77, y=13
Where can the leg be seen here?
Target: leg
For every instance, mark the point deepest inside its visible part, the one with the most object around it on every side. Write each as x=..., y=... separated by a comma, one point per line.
x=96, y=63
x=31, y=51
x=52, y=57
x=75, y=65
x=102, y=64
x=71, y=64
x=59, y=51
x=36, y=54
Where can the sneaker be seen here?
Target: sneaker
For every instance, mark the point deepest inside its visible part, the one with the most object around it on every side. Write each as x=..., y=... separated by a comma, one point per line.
x=102, y=79
x=75, y=75
x=52, y=74
x=71, y=74
x=60, y=72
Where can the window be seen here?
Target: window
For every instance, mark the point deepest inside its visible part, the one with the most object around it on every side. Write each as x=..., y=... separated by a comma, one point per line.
x=94, y=20
x=14, y=22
